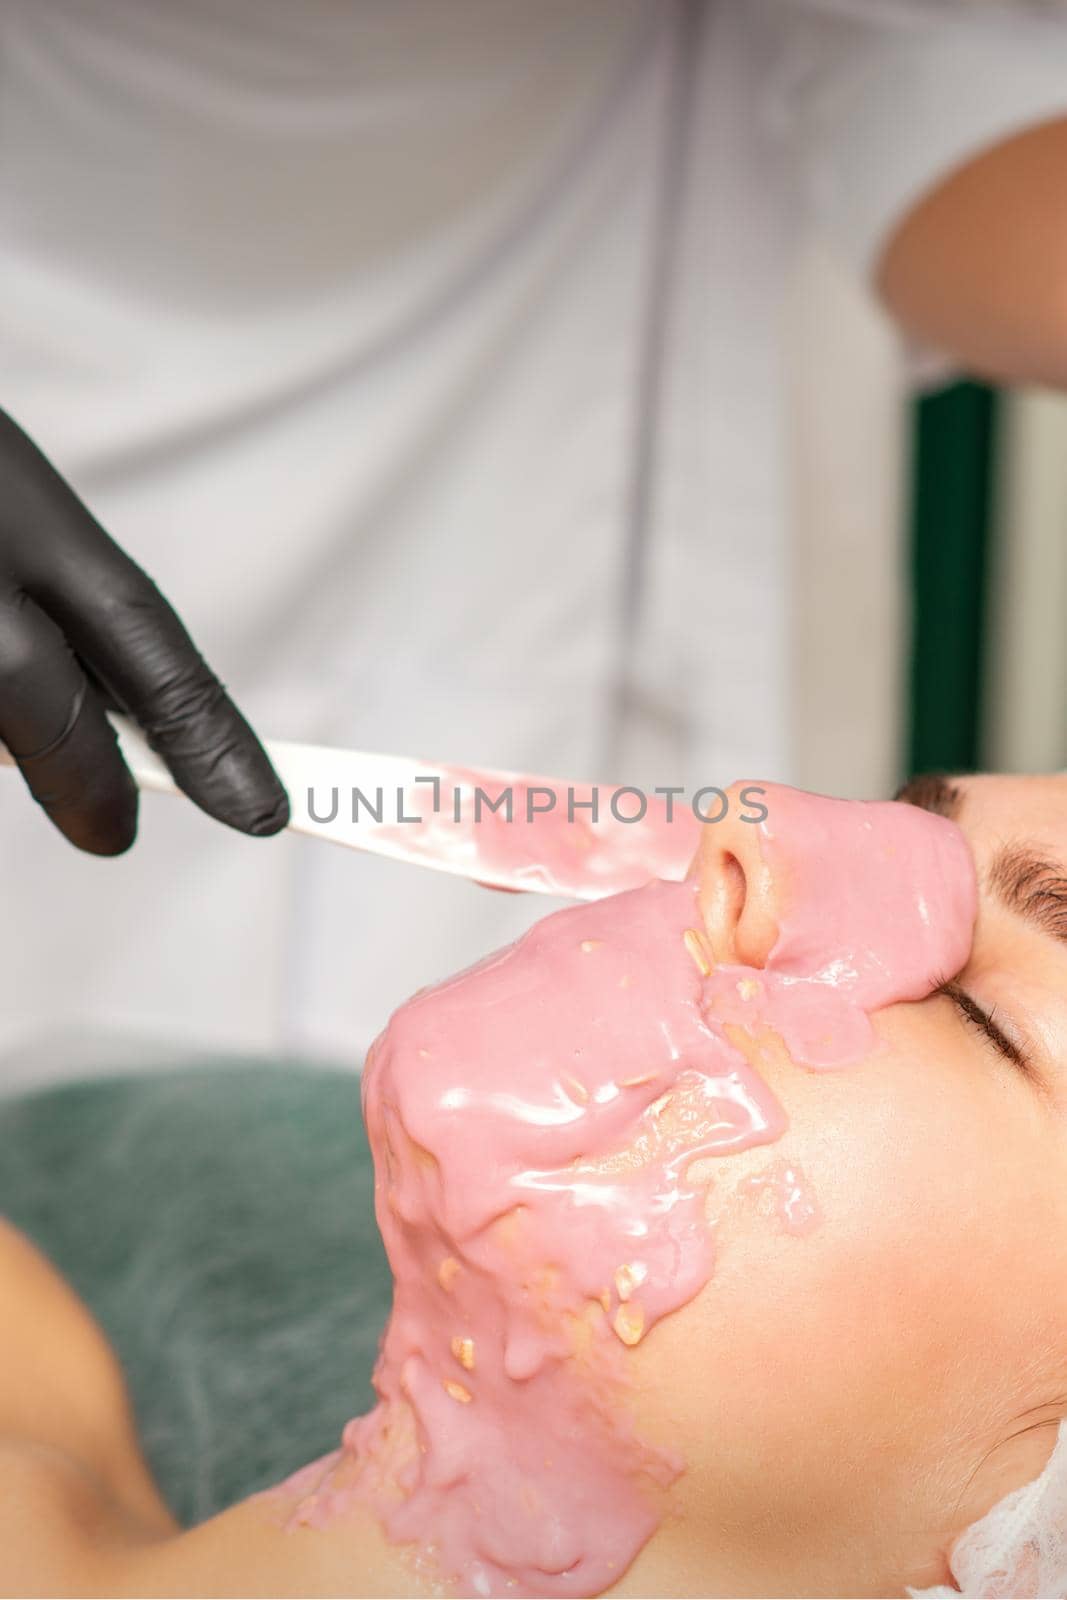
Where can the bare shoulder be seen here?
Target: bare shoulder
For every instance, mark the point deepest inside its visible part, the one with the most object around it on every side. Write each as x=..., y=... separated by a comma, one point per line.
x=74, y=1488
x=63, y=1533
x=261, y=1547
x=79, y=1512
x=61, y=1530
x=61, y=1385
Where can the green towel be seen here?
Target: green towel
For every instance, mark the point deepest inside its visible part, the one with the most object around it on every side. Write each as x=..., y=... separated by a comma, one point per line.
x=220, y=1224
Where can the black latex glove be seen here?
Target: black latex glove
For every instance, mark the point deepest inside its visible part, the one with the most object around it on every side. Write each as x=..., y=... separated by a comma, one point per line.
x=81, y=628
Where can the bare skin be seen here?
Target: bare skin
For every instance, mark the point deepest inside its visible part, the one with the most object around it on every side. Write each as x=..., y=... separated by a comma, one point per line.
x=976, y=268
x=865, y=1392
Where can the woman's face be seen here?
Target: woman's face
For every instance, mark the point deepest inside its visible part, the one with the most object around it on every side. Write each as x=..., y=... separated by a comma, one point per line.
x=892, y=1372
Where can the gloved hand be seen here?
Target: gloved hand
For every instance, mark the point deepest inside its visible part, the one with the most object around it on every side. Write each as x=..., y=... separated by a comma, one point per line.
x=81, y=628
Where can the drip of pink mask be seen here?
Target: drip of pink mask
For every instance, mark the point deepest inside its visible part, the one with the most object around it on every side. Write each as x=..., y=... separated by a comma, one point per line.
x=542, y=1127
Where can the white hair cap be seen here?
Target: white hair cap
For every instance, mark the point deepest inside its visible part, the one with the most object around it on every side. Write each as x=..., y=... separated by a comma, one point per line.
x=1019, y=1548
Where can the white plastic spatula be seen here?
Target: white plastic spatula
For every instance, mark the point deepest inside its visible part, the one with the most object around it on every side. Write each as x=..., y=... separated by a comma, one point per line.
x=503, y=829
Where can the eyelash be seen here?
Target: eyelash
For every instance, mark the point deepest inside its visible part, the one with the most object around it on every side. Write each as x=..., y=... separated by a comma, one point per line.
x=978, y=1017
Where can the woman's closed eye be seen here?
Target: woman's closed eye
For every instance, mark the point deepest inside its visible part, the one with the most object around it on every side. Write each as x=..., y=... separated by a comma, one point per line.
x=1010, y=1047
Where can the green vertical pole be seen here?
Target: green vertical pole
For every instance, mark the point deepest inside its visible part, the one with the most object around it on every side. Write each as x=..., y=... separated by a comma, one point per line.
x=953, y=441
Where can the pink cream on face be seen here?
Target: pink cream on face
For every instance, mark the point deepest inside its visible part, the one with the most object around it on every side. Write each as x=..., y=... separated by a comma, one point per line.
x=543, y=1126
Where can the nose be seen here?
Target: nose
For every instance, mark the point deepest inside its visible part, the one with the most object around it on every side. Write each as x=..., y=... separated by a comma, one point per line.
x=739, y=895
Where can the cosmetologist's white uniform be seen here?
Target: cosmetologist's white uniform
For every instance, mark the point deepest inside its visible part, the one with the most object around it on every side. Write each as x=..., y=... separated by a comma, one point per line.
x=428, y=354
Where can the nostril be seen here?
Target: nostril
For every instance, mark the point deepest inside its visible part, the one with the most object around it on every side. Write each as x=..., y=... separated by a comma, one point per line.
x=724, y=889
x=733, y=886
x=738, y=903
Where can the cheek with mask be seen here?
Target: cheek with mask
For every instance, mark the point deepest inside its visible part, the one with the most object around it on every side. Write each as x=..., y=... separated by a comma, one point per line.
x=573, y=1141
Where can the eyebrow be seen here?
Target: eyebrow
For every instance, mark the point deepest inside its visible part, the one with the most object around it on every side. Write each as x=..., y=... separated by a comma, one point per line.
x=1033, y=887
x=1022, y=879
x=932, y=792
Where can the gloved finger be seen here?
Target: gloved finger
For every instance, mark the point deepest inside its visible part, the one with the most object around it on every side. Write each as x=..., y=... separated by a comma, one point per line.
x=53, y=723
x=138, y=648
x=141, y=652
x=103, y=693
x=134, y=643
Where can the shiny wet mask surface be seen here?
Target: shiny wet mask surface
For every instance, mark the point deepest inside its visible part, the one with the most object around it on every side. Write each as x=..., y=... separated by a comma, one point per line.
x=546, y=1127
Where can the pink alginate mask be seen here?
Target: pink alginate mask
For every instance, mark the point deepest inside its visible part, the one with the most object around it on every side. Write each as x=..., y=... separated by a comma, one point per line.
x=542, y=1127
